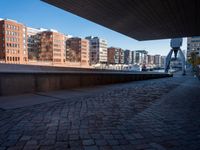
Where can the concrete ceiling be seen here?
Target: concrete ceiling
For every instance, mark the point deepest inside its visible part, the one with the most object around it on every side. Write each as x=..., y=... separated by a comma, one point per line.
x=139, y=19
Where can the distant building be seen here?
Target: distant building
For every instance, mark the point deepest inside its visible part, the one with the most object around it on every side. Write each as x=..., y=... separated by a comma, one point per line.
x=157, y=60
x=33, y=42
x=121, y=56
x=128, y=57
x=77, y=51
x=51, y=47
x=115, y=55
x=163, y=58
x=133, y=57
x=97, y=50
x=150, y=59
x=141, y=56
x=193, y=45
x=13, y=42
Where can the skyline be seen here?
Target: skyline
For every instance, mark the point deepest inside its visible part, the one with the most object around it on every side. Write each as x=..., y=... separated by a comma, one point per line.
x=38, y=14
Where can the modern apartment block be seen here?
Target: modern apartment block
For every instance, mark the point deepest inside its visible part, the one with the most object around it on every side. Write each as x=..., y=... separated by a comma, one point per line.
x=193, y=45
x=141, y=56
x=121, y=56
x=21, y=45
x=115, y=55
x=112, y=56
x=157, y=60
x=98, y=50
x=33, y=42
x=25, y=45
x=51, y=47
x=128, y=59
x=133, y=55
x=77, y=51
x=163, y=59
x=150, y=59
x=13, y=42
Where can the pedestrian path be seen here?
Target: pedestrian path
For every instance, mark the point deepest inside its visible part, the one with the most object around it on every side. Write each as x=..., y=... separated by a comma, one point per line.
x=155, y=114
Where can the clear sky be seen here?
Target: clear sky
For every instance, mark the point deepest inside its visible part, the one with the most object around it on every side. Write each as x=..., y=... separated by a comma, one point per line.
x=35, y=13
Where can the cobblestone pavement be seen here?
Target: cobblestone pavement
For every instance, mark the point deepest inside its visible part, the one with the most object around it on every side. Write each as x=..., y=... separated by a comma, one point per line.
x=123, y=117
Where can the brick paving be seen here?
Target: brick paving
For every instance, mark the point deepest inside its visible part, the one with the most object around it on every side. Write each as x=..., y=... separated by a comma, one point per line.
x=122, y=117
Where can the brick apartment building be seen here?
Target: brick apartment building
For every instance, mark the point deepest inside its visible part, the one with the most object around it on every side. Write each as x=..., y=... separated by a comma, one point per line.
x=77, y=51
x=25, y=45
x=115, y=55
x=33, y=43
x=150, y=59
x=51, y=47
x=13, y=42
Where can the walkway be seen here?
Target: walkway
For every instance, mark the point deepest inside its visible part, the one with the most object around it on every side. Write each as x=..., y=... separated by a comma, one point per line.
x=156, y=114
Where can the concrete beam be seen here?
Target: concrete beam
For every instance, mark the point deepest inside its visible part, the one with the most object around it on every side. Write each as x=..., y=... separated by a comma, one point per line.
x=139, y=19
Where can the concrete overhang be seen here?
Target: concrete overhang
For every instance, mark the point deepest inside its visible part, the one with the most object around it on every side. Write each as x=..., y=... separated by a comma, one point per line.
x=139, y=19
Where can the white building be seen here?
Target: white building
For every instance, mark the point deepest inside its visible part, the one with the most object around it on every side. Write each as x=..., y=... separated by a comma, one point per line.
x=98, y=50
x=193, y=45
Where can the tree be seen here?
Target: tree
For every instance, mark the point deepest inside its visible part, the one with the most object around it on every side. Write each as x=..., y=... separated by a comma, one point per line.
x=194, y=59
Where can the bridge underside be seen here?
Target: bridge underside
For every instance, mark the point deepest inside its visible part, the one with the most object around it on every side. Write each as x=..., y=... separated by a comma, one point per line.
x=139, y=19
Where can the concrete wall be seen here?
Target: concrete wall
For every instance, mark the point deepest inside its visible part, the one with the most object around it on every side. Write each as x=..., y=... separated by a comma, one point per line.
x=20, y=83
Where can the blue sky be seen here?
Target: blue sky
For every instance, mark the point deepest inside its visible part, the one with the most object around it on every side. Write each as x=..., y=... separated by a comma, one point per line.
x=35, y=13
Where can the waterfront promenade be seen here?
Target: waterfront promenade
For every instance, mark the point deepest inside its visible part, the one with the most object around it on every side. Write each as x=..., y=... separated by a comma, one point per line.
x=157, y=114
